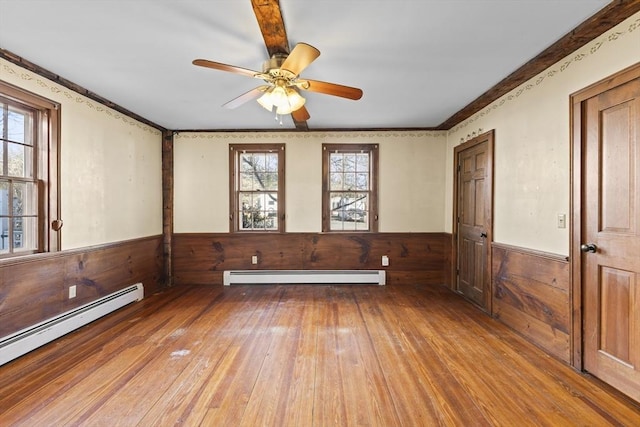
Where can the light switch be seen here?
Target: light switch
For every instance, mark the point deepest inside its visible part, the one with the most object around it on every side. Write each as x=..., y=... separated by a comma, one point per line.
x=562, y=220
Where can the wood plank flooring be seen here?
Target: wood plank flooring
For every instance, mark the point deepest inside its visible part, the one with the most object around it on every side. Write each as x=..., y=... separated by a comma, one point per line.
x=301, y=356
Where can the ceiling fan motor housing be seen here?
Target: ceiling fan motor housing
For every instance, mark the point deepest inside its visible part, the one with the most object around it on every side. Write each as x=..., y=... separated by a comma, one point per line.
x=272, y=67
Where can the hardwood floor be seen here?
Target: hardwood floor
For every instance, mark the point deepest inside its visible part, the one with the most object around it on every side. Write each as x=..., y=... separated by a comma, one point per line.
x=301, y=356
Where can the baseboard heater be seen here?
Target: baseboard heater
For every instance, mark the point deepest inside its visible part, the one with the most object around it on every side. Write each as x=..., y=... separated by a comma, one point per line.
x=28, y=339
x=342, y=277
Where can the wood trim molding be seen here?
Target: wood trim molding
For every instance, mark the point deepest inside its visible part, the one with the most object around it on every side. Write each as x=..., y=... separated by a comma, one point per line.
x=60, y=254
x=532, y=252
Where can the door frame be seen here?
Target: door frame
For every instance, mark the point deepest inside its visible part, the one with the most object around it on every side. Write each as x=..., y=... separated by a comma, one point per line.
x=577, y=151
x=488, y=137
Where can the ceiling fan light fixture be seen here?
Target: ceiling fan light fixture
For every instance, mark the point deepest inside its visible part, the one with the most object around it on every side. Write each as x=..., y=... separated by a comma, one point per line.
x=285, y=100
x=294, y=102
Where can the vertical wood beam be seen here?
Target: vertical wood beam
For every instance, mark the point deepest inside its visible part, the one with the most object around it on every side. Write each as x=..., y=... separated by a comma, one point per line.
x=167, y=206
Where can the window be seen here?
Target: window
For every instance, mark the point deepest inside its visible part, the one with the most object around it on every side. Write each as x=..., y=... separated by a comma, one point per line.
x=349, y=188
x=257, y=187
x=28, y=168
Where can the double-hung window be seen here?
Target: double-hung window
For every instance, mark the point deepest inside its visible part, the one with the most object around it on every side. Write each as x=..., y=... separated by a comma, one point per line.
x=28, y=167
x=349, y=188
x=257, y=187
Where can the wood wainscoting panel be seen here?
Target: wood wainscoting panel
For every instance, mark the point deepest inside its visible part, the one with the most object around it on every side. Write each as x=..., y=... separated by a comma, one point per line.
x=35, y=288
x=414, y=257
x=531, y=295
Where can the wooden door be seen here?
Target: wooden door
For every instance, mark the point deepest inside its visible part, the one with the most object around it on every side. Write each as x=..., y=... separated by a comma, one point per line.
x=611, y=236
x=473, y=216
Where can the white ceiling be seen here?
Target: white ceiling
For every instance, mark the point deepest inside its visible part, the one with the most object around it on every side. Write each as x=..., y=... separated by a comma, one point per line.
x=417, y=61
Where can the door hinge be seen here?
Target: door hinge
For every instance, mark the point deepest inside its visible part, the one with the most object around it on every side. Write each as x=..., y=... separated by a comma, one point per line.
x=459, y=168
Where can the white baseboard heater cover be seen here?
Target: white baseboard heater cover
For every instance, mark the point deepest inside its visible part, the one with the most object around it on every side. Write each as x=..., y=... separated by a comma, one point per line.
x=342, y=277
x=28, y=339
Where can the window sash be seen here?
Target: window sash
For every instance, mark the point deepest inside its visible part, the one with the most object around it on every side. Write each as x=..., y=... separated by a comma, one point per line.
x=20, y=215
x=349, y=188
x=28, y=172
x=256, y=187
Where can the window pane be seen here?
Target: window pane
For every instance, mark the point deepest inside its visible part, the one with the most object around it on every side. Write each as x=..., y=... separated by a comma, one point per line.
x=2, y=171
x=24, y=198
x=336, y=162
x=362, y=181
x=269, y=181
x=337, y=182
x=246, y=181
x=4, y=198
x=349, y=211
x=362, y=162
x=19, y=126
x=24, y=234
x=350, y=181
x=4, y=235
x=2, y=107
x=350, y=162
x=271, y=162
x=20, y=159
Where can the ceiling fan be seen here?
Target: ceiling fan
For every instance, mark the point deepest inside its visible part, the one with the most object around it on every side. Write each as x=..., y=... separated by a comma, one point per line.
x=281, y=72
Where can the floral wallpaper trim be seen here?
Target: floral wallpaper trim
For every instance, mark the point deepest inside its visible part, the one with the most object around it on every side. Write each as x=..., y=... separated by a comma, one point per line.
x=261, y=136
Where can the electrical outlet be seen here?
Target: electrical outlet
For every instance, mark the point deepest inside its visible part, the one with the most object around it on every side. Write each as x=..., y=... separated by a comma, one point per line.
x=254, y=259
x=385, y=261
x=72, y=291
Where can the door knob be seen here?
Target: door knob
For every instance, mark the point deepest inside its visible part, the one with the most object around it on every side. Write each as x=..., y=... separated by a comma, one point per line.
x=588, y=247
x=483, y=234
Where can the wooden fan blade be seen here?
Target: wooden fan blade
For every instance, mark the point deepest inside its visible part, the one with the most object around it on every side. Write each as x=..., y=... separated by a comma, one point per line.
x=246, y=97
x=332, y=89
x=271, y=25
x=224, y=67
x=300, y=57
x=300, y=115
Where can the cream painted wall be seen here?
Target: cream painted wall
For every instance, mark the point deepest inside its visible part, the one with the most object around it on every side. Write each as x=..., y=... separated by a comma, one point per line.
x=110, y=167
x=532, y=142
x=411, y=187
